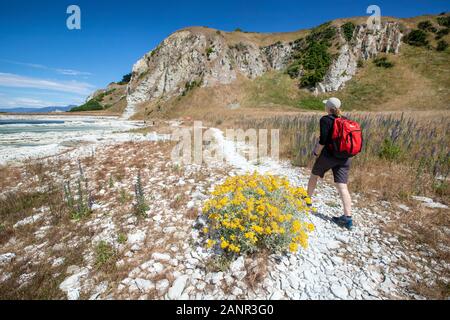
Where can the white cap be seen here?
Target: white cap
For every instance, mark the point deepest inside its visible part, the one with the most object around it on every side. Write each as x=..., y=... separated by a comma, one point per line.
x=332, y=103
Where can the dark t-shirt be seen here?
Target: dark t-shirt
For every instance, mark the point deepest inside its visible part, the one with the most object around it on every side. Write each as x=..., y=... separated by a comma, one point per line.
x=326, y=131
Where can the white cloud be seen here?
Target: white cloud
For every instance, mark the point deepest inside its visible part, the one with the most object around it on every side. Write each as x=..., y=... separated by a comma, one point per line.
x=70, y=72
x=67, y=72
x=25, y=102
x=16, y=81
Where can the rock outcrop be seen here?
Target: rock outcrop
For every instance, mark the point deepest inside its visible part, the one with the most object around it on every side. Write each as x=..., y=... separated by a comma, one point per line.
x=194, y=57
x=365, y=44
x=202, y=57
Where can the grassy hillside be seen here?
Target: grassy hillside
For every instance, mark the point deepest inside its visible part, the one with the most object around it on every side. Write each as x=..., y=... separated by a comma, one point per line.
x=418, y=79
x=111, y=100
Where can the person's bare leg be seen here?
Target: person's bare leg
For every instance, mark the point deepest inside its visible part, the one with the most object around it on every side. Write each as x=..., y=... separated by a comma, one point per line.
x=312, y=185
x=345, y=197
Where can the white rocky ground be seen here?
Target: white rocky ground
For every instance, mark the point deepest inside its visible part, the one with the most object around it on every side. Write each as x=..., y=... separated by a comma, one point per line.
x=163, y=258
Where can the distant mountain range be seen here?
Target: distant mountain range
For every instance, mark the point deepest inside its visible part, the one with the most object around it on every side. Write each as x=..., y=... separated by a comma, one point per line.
x=38, y=110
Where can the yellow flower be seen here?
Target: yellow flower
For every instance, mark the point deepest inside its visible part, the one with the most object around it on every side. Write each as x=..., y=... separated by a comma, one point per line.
x=210, y=243
x=293, y=247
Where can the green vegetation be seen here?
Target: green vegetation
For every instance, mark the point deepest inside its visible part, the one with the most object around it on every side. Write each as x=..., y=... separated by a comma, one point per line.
x=209, y=51
x=444, y=21
x=91, y=105
x=311, y=103
x=426, y=26
x=442, y=45
x=122, y=238
x=313, y=56
x=126, y=79
x=191, y=85
x=348, y=29
x=81, y=205
x=442, y=33
x=389, y=150
x=383, y=62
x=140, y=205
x=104, y=253
x=95, y=103
x=416, y=38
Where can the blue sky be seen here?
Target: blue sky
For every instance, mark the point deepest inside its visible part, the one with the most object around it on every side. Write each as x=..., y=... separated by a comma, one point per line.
x=44, y=63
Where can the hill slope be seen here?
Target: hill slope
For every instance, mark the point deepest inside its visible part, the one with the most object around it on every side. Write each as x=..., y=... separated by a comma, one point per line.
x=198, y=70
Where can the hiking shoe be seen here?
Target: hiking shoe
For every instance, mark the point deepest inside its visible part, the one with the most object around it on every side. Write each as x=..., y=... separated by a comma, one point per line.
x=344, y=221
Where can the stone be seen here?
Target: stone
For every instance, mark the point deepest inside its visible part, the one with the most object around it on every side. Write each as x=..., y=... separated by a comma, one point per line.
x=136, y=237
x=162, y=285
x=177, y=288
x=339, y=291
x=144, y=285
x=6, y=258
x=237, y=265
x=161, y=256
x=72, y=286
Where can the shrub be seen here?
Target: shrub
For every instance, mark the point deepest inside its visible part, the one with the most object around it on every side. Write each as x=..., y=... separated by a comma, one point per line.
x=425, y=25
x=256, y=212
x=104, y=252
x=383, y=62
x=91, y=105
x=348, y=29
x=444, y=21
x=140, y=204
x=416, y=38
x=442, y=45
x=81, y=205
x=316, y=62
x=389, y=150
x=126, y=79
x=209, y=51
x=441, y=33
x=360, y=63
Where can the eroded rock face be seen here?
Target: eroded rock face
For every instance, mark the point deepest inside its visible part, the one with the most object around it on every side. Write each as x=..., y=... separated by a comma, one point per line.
x=365, y=44
x=192, y=57
x=204, y=57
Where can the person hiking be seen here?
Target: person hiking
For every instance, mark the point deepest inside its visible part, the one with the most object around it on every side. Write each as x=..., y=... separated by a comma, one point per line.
x=334, y=151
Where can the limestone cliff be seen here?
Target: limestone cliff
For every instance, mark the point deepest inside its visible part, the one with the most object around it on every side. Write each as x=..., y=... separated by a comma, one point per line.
x=202, y=57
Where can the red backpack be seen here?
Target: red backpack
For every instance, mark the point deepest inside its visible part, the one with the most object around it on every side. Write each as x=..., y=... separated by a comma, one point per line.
x=346, y=138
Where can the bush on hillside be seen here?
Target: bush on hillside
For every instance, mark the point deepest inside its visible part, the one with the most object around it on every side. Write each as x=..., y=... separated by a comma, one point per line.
x=442, y=45
x=383, y=62
x=126, y=79
x=441, y=33
x=389, y=150
x=416, y=38
x=444, y=21
x=348, y=29
x=91, y=105
x=255, y=212
x=425, y=25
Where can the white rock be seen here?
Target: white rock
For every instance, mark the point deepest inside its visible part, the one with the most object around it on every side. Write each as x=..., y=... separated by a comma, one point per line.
x=162, y=285
x=136, y=237
x=144, y=285
x=7, y=258
x=177, y=288
x=71, y=285
x=237, y=265
x=339, y=291
x=161, y=256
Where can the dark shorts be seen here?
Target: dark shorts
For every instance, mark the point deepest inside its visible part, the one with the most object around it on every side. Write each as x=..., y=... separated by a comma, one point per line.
x=340, y=167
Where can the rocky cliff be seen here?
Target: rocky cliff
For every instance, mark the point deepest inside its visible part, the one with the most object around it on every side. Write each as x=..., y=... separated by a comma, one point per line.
x=202, y=57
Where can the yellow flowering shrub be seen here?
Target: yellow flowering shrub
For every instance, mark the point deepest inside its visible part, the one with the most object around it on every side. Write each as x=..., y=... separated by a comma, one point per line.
x=254, y=211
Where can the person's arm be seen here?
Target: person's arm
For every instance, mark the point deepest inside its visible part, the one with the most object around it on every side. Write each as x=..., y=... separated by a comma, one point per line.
x=318, y=149
x=324, y=130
